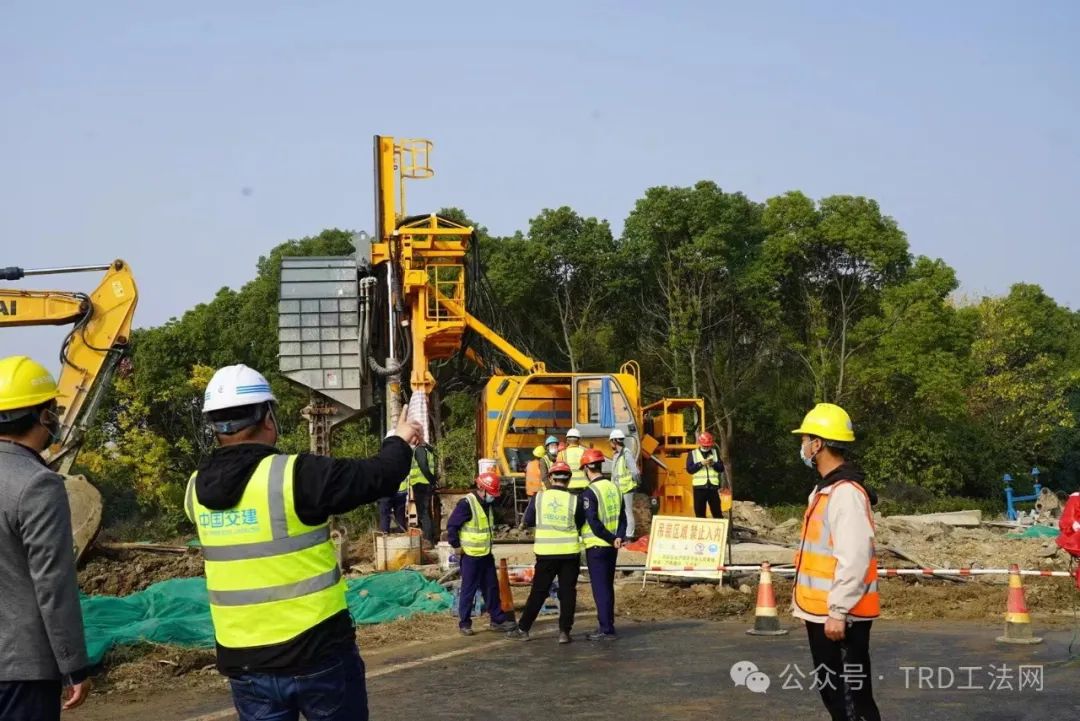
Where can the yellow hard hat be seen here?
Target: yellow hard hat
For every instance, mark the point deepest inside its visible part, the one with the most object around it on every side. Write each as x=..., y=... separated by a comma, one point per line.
x=24, y=383
x=538, y=452
x=827, y=421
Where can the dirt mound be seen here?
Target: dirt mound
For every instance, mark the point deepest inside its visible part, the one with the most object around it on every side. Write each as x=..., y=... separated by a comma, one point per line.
x=703, y=600
x=120, y=573
x=751, y=515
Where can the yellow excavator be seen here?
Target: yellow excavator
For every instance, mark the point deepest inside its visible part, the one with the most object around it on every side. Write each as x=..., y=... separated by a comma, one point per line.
x=89, y=357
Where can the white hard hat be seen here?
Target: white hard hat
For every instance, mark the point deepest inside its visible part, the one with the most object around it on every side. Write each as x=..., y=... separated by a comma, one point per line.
x=573, y=433
x=617, y=435
x=234, y=386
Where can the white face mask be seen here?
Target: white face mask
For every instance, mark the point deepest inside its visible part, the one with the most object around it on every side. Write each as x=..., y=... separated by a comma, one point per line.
x=807, y=460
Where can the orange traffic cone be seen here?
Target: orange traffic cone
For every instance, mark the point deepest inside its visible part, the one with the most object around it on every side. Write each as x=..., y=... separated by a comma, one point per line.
x=1017, y=620
x=766, y=622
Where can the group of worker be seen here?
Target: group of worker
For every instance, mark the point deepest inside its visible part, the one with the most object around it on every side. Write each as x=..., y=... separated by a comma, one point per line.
x=591, y=515
x=283, y=632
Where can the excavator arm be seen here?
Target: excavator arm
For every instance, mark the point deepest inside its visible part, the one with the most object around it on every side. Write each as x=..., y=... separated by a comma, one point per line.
x=91, y=351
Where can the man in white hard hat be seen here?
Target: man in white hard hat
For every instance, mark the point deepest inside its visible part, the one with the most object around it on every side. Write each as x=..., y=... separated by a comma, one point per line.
x=571, y=456
x=277, y=599
x=624, y=473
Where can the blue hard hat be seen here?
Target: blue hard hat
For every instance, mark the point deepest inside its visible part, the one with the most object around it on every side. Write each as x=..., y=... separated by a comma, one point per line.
x=550, y=439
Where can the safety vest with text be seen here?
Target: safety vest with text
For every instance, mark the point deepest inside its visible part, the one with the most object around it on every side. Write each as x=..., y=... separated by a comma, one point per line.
x=608, y=505
x=476, y=532
x=706, y=474
x=556, y=529
x=269, y=575
x=571, y=456
x=815, y=562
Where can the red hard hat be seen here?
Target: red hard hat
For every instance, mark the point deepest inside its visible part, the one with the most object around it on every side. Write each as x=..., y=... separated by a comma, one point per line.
x=591, y=456
x=560, y=467
x=488, y=482
x=705, y=440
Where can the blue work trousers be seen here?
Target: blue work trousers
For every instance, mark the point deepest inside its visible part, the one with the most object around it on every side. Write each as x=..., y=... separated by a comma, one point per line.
x=601, y=564
x=393, y=507
x=335, y=690
x=478, y=573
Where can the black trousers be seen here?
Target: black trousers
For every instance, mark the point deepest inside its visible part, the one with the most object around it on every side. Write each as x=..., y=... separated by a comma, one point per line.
x=422, y=494
x=707, y=495
x=392, y=507
x=846, y=686
x=30, y=700
x=548, y=568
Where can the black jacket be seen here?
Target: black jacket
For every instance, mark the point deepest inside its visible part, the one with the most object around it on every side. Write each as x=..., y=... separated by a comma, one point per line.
x=323, y=486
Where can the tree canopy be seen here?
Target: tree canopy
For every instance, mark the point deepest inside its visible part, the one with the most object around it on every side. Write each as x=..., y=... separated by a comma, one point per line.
x=761, y=308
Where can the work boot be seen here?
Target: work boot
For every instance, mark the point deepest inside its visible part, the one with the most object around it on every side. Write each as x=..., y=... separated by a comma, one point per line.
x=517, y=635
x=504, y=626
x=564, y=637
x=465, y=631
x=601, y=636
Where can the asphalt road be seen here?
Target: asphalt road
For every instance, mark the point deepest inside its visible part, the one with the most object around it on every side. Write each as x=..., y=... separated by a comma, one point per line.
x=682, y=670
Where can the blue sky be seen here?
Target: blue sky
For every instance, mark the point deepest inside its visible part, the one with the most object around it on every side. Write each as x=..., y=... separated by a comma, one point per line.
x=189, y=138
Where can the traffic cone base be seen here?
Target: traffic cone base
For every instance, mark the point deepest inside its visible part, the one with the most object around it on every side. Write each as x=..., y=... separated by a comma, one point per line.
x=1017, y=618
x=766, y=622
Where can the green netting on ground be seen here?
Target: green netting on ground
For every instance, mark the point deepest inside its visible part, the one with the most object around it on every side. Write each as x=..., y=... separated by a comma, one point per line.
x=177, y=611
x=1036, y=532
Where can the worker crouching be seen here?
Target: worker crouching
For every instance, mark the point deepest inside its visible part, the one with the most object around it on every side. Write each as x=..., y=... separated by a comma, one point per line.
x=836, y=585
x=557, y=516
x=469, y=530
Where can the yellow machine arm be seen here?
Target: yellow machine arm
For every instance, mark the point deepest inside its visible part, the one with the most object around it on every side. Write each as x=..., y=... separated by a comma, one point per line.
x=91, y=352
x=426, y=258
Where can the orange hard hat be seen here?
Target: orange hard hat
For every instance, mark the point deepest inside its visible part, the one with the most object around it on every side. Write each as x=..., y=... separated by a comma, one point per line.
x=591, y=456
x=705, y=440
x=488, y=482
x=560, y=468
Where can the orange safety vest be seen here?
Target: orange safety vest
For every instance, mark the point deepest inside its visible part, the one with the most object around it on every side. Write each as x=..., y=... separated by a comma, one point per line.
x=534, y=477
x=815, y=562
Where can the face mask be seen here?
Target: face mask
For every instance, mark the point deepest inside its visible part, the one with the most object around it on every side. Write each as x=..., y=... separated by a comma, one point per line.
x=51, y=421
x=807, y=460
x=553, y=451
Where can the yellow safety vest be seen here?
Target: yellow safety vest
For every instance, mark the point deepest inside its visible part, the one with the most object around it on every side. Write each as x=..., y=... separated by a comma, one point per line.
x=572, y=457
x=476, y=533
x=416, y=477
x=608, y=505
x=270, y=576
x=556, y=529
x=620, y=472
x=815, y=562
x=705, y=474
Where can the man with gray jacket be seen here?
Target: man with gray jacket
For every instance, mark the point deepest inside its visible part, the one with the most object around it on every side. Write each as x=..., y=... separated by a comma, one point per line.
x=42, y=646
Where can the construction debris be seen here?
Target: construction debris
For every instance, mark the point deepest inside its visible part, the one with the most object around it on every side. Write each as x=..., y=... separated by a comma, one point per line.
x=967, y=519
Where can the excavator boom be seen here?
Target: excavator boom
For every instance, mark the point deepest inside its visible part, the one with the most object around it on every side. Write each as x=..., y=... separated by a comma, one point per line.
x=101, y=326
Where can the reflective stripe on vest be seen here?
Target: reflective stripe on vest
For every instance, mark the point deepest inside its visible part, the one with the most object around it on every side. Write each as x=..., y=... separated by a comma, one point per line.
x=416, y=476
x=815, y=562
x=476, y=532
x=269, y=576
x=608, y=502
x=705, y=474
x=556, y=529
x=572, y=457
x=620, y=473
